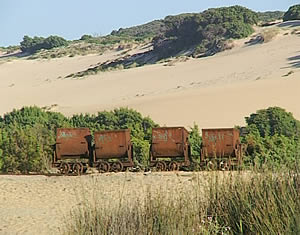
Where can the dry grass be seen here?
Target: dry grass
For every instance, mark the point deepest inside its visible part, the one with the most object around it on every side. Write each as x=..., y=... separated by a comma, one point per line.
x=269, y=34
x=213, y=203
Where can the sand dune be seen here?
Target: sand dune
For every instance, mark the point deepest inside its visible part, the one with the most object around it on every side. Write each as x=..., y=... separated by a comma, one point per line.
x=215, y=91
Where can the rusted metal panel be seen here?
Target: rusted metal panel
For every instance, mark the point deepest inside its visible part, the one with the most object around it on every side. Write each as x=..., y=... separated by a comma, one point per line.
x=112, y=144
x=220, y=142
x=72, y=142
x=169, y=142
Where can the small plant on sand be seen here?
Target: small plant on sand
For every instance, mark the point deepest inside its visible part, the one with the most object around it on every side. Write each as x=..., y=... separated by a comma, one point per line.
x=288, y=74
x=269, y=34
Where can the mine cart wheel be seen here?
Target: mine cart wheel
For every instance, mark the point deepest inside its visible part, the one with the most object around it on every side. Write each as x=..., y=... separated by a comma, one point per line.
x=117, y=166
x=173, y=166
x=77, y=168
x=161, y=166
x=224, y=166
x=64, y=168
x=210, y=165
x=103, y=167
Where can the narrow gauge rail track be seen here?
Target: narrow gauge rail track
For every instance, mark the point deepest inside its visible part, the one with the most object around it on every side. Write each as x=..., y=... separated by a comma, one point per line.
x=39, y=174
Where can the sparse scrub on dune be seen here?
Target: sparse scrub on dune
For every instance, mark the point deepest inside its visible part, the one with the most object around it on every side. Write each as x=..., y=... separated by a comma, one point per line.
x=173, y=61
x=269, y=34
x=85, y=46
x=215, y=203
x=118, y=64
x=73, y=49
x=9, y=49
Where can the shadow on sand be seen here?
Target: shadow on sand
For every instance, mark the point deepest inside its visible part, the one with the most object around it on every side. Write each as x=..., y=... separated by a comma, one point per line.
x=290, y=24
x=294, y=61
x=16, y=54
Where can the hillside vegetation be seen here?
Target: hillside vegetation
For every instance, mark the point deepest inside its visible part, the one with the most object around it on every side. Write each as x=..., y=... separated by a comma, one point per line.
x=293, y=13
x=207, y=32
x=148, y=30
x=192, y=34
x=197, y=35
x=32, y=45
x=269, y=16
x=202, y=34
x=27, y=136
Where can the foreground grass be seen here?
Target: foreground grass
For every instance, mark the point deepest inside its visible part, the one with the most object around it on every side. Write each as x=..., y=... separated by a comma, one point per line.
x=235, y=203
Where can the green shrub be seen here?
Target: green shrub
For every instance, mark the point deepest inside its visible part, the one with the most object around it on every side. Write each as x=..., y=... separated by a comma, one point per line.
x=27, y=135
x=86, y=37
x=195, y=141
x=26, y=139
x=273, y=139
x=269, y=16
x=208, y=30
x=54, y=41
x=274, y=121
x=292, y=14
x=32, y=45
x=141, y=32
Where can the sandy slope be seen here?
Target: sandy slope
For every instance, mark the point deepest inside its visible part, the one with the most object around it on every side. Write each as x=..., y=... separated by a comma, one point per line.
x=42, y=205
x=213, y=92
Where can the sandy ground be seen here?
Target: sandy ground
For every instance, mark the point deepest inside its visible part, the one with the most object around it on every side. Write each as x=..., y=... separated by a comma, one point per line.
x=42, y=205
x=217, y=91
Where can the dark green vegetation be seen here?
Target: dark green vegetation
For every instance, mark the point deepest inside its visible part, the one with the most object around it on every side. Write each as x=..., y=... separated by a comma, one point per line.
x=207, y=32
x=273, y=139
x=293, y=13
x=148, y=30
x=32, y=45
x=27, y=136
x=194, y=34
x=269, y=16
x=190, y=34
x=214, y=203
x=198, y=34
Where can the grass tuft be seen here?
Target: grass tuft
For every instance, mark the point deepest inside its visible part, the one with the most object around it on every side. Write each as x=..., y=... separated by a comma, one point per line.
x=214, y=203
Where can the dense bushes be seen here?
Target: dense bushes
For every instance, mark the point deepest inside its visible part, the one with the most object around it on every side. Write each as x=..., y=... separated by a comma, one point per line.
x=207, y=30
x=143, y=31
x=27, y=135
x=31, y=45
x=273, y=139
x=270, y=16
x=26, y=139
x=292, y=14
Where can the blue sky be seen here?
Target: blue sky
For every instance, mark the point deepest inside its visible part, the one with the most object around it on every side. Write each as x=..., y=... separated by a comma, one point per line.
x=73, y=18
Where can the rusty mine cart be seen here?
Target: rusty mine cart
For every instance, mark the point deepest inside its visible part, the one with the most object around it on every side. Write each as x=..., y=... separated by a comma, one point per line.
x=221, y=149
x=72, y=150
x=112, y=150
x=170, y=148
